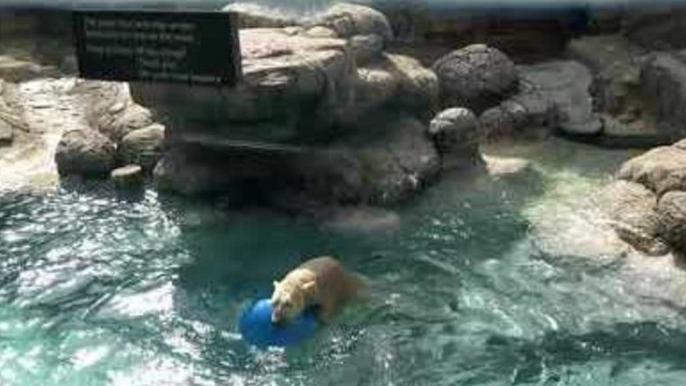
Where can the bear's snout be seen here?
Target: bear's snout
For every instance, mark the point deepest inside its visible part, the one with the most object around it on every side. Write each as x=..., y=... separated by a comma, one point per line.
x=277, y=315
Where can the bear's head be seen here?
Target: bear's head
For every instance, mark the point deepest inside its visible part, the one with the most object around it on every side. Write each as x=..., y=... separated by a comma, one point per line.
x=288, y=301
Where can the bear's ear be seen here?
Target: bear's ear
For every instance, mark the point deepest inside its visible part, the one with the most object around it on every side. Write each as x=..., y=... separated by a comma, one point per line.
x=276, y=283
x=309, y=285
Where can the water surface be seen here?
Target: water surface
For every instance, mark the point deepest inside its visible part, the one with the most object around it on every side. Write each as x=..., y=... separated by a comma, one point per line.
x=509, y=280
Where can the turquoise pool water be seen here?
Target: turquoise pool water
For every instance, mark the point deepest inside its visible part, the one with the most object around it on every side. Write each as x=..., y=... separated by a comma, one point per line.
x=511, y=280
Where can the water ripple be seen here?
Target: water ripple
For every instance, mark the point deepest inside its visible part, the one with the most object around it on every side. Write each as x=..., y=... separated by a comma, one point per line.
x=486, y=282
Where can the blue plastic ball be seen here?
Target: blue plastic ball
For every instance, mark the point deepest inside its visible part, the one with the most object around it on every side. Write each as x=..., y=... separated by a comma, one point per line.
x=257, y=328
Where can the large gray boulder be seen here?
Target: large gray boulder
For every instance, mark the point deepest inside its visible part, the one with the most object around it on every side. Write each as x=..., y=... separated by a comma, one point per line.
x=631, y=208
x=300, y=83
x=476, y=77
x=142, y=147
x=566, y=84
x=672, y=210
x=662, y=169
x=85, y=152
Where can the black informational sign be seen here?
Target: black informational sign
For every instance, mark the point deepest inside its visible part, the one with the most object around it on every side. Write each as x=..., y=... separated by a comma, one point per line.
x=149, y=46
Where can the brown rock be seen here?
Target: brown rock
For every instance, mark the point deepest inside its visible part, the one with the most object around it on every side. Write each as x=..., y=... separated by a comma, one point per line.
x=672, y=210
x=662, y=169
x=631, y=208
x=84, y=151
x=142, y=147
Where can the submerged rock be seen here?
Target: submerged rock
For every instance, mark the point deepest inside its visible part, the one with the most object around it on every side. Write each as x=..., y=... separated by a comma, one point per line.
x=662, y=169
x=85, y=152
x=142, y=147
x=475, y=77
x=631, y=208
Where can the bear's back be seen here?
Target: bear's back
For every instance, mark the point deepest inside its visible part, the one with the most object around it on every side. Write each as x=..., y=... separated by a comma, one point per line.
x=333, y=282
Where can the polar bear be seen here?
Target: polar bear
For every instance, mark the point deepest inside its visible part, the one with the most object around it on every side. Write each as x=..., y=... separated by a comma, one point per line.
x=321, y=281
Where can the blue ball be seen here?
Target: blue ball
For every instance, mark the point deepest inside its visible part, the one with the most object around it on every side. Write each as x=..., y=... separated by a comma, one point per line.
x=257, y=328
